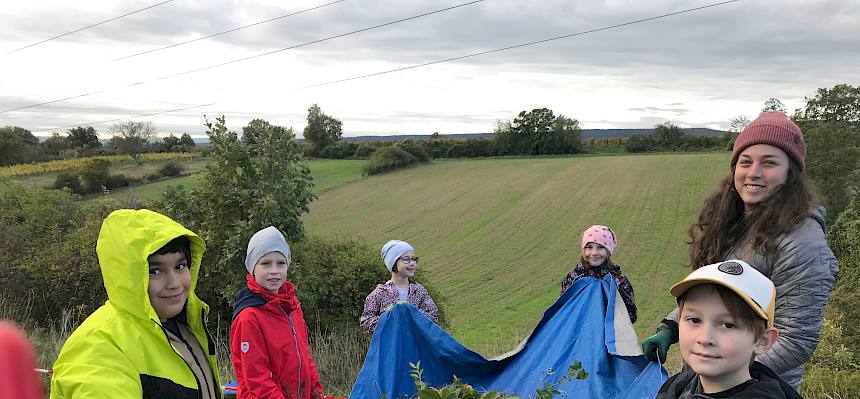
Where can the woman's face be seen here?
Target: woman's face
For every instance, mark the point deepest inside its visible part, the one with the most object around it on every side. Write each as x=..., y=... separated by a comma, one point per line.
x=595, y=254
x=760, y=171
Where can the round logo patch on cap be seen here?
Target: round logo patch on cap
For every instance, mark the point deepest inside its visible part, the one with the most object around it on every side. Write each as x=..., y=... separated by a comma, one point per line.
x=733, y=268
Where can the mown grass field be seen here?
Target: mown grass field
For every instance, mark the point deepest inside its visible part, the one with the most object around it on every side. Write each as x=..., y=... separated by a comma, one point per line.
x=327, y=174
x=496, y=236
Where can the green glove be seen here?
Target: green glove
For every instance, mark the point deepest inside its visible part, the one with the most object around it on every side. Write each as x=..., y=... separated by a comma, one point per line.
x=656, y=347
x=392, y=305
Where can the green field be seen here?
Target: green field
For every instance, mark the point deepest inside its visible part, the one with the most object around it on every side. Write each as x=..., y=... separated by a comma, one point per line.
x=496, y=236
x=327, y=174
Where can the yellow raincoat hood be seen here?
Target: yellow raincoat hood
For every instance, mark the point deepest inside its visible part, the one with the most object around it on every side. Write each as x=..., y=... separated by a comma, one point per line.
x=126, y=239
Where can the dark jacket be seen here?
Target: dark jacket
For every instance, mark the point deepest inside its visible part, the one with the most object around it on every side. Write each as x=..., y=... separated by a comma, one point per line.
x=764, y=385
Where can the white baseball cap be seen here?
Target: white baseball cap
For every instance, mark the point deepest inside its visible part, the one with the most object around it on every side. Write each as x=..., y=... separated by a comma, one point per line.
x=752, y=286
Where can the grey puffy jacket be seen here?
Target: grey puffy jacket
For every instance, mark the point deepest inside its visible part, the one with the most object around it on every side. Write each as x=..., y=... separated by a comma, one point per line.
x=803, y=271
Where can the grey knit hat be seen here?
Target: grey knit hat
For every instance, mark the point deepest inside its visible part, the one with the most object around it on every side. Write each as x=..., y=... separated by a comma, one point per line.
x=262, y=242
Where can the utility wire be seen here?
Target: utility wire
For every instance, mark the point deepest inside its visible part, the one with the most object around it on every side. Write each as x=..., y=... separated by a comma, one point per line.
x=257, y=55
x=229, y=31
x=520, y=45
x=451, y=59
x=90, y=26
x=317, y=41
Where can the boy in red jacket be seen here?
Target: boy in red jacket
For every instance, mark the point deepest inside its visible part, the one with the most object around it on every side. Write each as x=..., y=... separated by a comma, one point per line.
x=269, y=337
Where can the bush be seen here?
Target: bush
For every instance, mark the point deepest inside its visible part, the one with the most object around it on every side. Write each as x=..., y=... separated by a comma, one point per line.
x=117, y=180
x=94, y=174
x=417, y=149
x=171, y=169
x=68, y=180
x=844, y=239
x=333, y=278
x=41, y=224
x=470, y=148
x=639, y=143
x=363, y=151
x=388, y=158
x=337, y=150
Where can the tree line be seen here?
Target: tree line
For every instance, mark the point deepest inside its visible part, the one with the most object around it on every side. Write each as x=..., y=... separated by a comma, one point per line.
x=19, y=145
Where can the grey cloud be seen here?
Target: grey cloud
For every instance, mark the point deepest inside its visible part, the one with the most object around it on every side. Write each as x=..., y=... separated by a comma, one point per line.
x=677, y=111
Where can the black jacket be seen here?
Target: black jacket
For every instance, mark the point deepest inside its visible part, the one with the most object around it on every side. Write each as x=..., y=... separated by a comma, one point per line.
x=765, y=384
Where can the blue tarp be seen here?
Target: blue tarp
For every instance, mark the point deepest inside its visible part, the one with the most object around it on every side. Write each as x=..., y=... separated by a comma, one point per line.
x=580, y=326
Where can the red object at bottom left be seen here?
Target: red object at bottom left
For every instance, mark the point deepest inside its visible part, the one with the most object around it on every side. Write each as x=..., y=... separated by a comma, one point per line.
x=17, y=362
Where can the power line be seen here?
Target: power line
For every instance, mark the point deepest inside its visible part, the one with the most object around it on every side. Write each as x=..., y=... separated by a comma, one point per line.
x=317, y=41
x=257, y=55
x=90, y=26
x=229, y=30
x=520, y=45
x=453, y=58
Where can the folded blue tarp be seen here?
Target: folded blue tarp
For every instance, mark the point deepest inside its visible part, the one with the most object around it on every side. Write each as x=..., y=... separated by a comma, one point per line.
x=588, y=324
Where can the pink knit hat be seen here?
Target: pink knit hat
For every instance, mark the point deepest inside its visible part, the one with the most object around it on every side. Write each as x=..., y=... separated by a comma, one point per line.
x=600, y=234
x=772, y=128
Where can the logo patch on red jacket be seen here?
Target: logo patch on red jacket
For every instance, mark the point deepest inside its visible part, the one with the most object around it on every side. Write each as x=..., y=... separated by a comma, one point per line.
x=245, y=347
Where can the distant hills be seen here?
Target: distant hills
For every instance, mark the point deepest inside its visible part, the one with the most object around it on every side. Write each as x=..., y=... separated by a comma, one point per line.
x=586, y=134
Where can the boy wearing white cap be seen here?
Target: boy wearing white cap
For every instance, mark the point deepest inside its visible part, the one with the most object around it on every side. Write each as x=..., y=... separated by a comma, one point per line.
x=726, y=320
x=399, y=257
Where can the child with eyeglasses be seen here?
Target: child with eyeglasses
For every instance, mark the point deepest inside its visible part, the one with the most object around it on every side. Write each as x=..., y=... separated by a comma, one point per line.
x=597, y=244
x=399, y=257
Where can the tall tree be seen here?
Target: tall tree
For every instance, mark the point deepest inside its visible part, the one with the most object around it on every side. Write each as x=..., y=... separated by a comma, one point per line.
x=171, y=143
x=255, y=129
x=186, y=142
x=17, y=145
x=736, y=126
x=55, y=144
x=840, y=103
x=538, y=132
x=322, y=130
x=83, y=137
x=830, y=122
x=738, y=123
x=130, y=137
x=668, y=136
x=243, y=189
x=773, y=105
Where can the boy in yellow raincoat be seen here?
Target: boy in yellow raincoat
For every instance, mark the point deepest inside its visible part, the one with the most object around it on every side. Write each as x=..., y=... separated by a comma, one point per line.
x=149, y=339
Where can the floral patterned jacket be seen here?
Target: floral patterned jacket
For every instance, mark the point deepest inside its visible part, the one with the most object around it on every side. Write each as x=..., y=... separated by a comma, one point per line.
x=624, y=286
x=385, y=295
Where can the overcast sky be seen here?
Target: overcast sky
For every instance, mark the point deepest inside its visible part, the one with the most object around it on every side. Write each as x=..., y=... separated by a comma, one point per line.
x=698, y=69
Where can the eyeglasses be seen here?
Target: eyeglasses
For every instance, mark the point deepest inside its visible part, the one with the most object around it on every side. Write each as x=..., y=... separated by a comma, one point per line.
x=407, y=259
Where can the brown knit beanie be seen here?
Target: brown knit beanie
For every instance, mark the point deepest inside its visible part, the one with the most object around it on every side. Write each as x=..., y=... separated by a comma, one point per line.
x=772, y=128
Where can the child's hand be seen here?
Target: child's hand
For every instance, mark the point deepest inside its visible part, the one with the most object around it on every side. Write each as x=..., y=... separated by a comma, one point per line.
x=392, y=305
x=656, y=347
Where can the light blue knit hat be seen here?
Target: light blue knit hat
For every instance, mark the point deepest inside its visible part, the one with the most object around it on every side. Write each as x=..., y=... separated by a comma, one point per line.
x=393, y=250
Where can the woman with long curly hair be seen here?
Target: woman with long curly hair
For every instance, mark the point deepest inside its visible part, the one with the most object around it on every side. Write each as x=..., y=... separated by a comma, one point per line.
x=766, y=213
